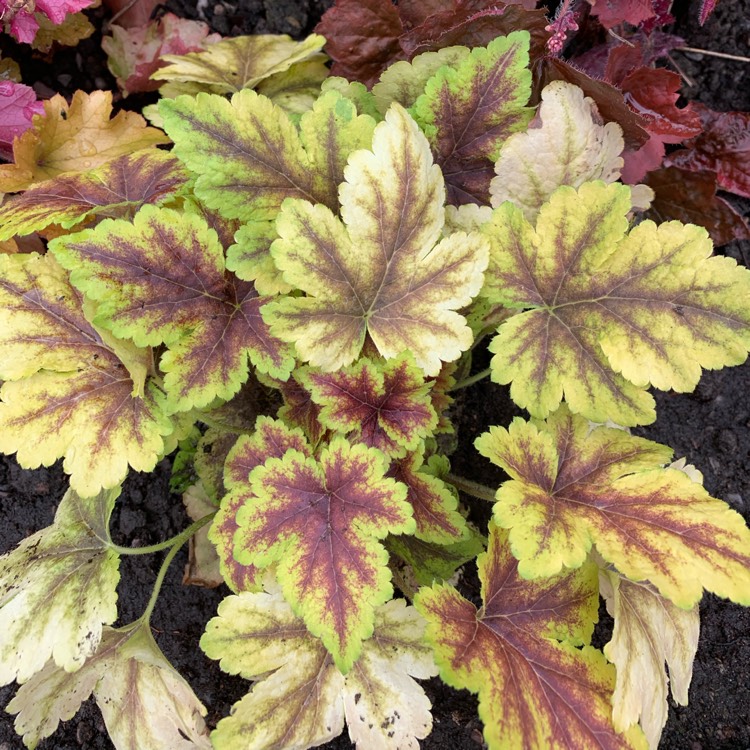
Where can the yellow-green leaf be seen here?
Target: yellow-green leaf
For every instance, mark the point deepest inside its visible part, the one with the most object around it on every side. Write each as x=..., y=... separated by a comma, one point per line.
x=573, y=486
x=608, y=313
x=382, y=271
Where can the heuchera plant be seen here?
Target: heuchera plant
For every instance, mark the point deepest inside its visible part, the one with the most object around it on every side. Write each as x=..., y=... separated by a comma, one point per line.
x=345, y=250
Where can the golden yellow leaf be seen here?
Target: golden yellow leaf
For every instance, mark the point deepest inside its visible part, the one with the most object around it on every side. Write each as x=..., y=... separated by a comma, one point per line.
x=75, y=137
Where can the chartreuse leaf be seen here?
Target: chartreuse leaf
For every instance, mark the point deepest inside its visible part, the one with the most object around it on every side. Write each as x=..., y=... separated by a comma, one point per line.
x=385, y=405
x=609, y=312
x=116, y=188
x=71, y=390
x=161, y=279
x=270, y=439
x=404, y=82
x=301, y=699
x=249, y=156
x=649, y=631
x=145, y=702
x=230, y=65
x=573, y=486
x=521, y=652
x=57, y=588
x=569, y=146
x=380, y=271
x=321, y=520
x=468, y=111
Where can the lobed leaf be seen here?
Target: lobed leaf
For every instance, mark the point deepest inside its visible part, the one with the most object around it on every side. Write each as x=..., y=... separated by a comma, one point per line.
x=300, y=698
x=321, y=521
x=71, y=389
x=609, y=313
x=145, y=703
x=75, y=137
x=114, y=189
x=520, y=653
x=385, y=405
x=230, y=65
x=162, y=279
x=249, y=156
x=467, y=112
x=57, y=588
x=379, y=272
x=573, y=486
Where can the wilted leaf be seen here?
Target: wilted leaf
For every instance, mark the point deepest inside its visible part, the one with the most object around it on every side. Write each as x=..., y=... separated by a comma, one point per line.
x=249, y=156
x=300, y=698
x=609, y=313
x=145, y=703
x=161, y=279
x=117, y=188
x=241, y=62
x=133, y=53
x=566, y=144
x=202, y=567
x=520, y=652
x=723, y=147
x=75, y=138
x=385, y=405
x=71, y=389
x=18, y=105
x=58, y=588
x=691, y=197
x=379, y=272
x=321, y=521
x=573, y=487
x=649, y=631
x=467, y=112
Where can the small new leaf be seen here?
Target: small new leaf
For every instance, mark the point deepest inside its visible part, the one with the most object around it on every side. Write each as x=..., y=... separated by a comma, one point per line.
x=57, y=589
x=520, y=652
x=161, y=279
x=380, y=271
x=145, y=703
x=573, y=486
x=301, y=698
x=321, y=521
x=609, y=313
x=385, y=405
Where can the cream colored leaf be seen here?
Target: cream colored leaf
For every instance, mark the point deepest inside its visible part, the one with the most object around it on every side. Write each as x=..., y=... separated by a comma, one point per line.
x=57, y=588
x=649, y=631
x=566, y=144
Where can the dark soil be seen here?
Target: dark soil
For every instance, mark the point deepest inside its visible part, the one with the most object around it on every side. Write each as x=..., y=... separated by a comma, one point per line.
x=711, y=427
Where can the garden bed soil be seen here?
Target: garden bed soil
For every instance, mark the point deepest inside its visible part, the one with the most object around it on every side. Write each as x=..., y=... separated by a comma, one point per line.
x=710, y=426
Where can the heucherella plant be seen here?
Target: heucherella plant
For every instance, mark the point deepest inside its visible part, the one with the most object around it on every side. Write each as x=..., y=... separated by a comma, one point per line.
x=347, y=259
